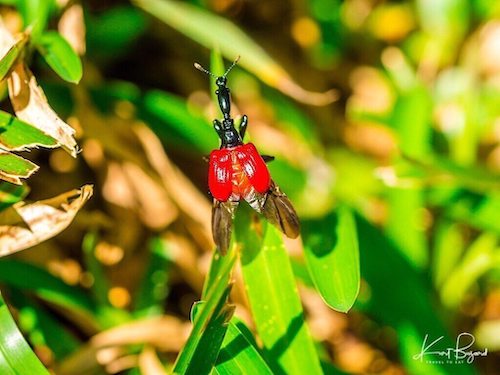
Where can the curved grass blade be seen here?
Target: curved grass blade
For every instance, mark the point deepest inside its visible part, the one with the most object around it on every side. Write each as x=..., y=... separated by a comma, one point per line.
x=16, y=356
x=332, y=255
x=239, y=354
x=29, y=277
x=209, y=327
x=205, y=28
x=13, y=168
x=273, y=296
x=58, y=53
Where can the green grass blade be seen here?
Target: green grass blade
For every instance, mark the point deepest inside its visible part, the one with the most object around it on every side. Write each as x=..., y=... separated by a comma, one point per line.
x=29, y=277
x=154, y=287
x=238, y=354
x=100, y=286
x=10, y=194
x=60, y=56
x=16, y=356
x=19, y=135
x=13, y=168
x=274, y=300
x=206, y=28
x=202, y=347
x=332, y=255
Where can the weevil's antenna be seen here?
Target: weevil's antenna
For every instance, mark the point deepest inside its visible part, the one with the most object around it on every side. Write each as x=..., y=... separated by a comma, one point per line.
x=232, y=66
x=199, y=67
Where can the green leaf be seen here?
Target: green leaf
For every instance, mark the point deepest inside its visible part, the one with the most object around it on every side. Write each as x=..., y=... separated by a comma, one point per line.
x=238, y=354
x=35, y=13
x=154, y=288
x=205, y=28
x=58, y=53
x=201, y=350
x=16, y=356
x=11, y=56
x=13, y=168
x=26, y=276
x=16, y=135
x=332, y=255
x=273, y=296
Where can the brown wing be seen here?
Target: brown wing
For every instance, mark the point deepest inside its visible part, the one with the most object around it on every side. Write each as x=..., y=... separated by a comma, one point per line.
x=222, y=223
x=278, y=210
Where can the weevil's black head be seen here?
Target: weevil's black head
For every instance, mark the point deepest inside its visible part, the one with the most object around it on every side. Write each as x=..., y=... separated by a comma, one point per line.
x=221, y=82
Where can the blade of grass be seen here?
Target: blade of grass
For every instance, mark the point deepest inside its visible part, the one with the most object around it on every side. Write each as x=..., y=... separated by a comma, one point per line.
x=16, y=356
x=211, y=321
x=273, y=296
x=205, y=28
x=332, y=255
x=238, y=354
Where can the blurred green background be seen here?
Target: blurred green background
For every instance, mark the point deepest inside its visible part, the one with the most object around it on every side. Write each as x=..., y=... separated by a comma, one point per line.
x=390, y=108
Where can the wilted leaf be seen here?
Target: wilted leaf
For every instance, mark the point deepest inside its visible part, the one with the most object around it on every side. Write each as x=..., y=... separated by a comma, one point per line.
x=58, y=53
x=13, y=168
x=30, y=105
x=72, y=27
x=39, y=221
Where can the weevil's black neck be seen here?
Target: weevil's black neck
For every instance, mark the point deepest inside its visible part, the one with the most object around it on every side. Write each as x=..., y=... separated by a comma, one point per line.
x=227, y=132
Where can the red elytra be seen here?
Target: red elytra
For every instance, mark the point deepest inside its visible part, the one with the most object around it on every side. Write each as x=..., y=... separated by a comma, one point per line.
x=234, y=171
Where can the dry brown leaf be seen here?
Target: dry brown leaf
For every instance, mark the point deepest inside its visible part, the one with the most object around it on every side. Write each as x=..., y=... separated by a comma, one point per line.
x=72, y=27
x=30, y=104
x=149, y=363
x=41, y=220
x=7, y=40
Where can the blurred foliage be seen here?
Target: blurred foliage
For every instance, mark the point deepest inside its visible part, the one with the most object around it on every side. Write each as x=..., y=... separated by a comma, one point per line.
x=384, y=118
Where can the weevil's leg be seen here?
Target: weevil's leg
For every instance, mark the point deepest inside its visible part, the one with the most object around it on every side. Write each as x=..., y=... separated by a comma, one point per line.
x=243, y=126
x=222, y=223
x=218, y=126
x=267, y=158
x=278, y=210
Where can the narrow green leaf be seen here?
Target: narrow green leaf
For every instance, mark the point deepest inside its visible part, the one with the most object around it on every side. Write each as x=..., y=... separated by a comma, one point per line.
x=29, y=277
x=11, y=56
x=205, y=28
x=273, y=296
x=13, y=168
x=16, y=356
x=58, y=53
x=448, y=247
x=35, y=14
x=238, y=354
x=16, y=135
x=154, y=287
x=332, y=255
x=100, y=286
x=201, y=350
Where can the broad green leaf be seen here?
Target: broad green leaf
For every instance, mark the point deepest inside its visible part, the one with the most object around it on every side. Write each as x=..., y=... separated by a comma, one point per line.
x=205, y=28
x=58, y=53
x=273, y=297
x=13, y=168
x=16, y=356
x=238, y=354
x=11, y=56
x=16, y=135
x=154, y=287
x=210, y=324
x=170, y=117
x=331, y=250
